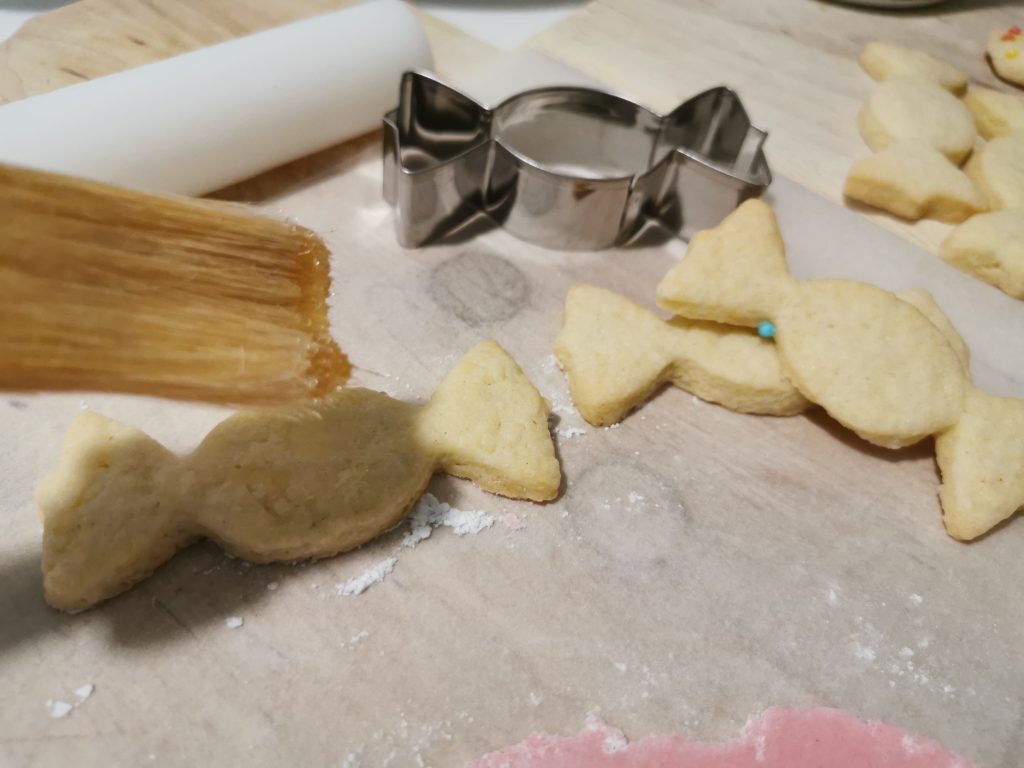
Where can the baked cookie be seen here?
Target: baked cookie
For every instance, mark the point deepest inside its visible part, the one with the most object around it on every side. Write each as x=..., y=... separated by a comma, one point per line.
x=285, y=484
x=616, y=354
x=995, y=113
x=885, y=61
x=914, y=182
x=997, y=170
x=875, y=363
x=990, y=246
x=1006, y=52
x=917, y=111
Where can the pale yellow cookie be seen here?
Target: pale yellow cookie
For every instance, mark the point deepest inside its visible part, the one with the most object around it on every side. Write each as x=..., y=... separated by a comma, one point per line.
x=982, y=464
x=616, y=354
x=997, y=169
x=885, y=61
x=285, y=484
x=874, y=362
x=917, y=111
x=925, y=303
x=995, y=113
x=1006, y=52
x=990, y=246
x=914, y=182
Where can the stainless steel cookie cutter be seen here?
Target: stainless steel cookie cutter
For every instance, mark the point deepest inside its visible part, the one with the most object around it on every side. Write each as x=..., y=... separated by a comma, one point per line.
x=566, y=167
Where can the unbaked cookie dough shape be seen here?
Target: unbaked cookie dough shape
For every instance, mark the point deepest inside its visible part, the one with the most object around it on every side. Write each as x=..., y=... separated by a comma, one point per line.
x=875, y=363
x=995, y=113
x=990, y=246
x=914, y=182
x=1006, y=52
x=285, y=484
x=919, y=111
x=885, y=61
x=616, y=354
x=997, y=169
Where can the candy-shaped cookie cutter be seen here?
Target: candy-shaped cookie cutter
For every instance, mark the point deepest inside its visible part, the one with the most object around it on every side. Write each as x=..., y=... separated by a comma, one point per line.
x=566, y=167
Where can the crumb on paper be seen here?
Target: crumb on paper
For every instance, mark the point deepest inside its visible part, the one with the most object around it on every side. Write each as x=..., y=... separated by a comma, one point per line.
x=234, y=622
x=616, y=425
x=634, y=497
x=356, y=638
x=832, y=597
x=535, y=699
x=865, y=652
x=621, y=667
x=571, y=432
x=58, y=708
x=916, y=599
x=906, y=653
x=84, y=692
x=431, y=513
x=372, y=575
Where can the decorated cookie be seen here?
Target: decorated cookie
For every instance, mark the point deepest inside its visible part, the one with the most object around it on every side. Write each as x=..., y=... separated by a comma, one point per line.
x=1006, y=52
x=990, y=246
x=997, y=169
x=914, y=182
x=285, y=484
x=873, y=361
x=617, y=354
x=885, y=61
x=920, y=112
x=995, y=113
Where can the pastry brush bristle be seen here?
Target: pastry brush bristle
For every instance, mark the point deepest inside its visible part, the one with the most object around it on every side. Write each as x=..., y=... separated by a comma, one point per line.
x=113, y=290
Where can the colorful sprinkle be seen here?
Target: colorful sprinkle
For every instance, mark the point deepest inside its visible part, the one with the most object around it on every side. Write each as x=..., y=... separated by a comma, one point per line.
x=1011, y=34
x=1013, y=53
x=766, y=329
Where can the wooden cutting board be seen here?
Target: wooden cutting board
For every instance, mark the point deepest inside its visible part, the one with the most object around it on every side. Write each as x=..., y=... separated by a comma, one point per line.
x=701, y=565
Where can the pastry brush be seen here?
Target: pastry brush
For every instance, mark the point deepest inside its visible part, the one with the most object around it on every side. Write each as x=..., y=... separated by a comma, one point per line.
x=108, y=289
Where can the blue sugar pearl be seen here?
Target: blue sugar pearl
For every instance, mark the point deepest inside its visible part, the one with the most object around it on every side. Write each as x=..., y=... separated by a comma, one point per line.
x=766, y=329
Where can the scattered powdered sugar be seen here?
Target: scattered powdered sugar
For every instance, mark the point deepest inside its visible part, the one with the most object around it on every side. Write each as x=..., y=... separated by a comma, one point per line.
x=832, y=597
x=356, y=638
x=234, y=622
x=634, y=497
x=916, y=599
x=570, y=432
x=621, y=667
x=535, y=699
x=372, y=575
x=84, y=692
x=563, y=410
x=431, y=513
x=58, y=708
x=865, y=652
x=272, y=586
x=616, y=425
x=614, y=741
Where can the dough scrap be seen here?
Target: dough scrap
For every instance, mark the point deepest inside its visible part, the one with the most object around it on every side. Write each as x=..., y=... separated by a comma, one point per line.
x=285, y=484
x=874, y=362
x=885, y=61
x=616, y=354
x=997, y=169
x=995, y=113
x=991, y=247
x=914, y=182
x=917, y=111
x=1006, y=53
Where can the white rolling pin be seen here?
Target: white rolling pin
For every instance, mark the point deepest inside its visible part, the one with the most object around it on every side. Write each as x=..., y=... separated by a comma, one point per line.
x=200, y=121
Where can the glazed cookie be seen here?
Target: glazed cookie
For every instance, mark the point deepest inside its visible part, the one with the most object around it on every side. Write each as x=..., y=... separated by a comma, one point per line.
x=995, y=113
x=885, y=61
x=990, y=246
x=914, y=182
x=285, y=484
x=997, y=170
x=616, y=354
x=873, y=361
x=1006, y=52
x=920, y=112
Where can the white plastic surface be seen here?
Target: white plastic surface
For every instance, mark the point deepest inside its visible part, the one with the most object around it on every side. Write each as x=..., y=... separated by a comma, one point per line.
x=200, y=121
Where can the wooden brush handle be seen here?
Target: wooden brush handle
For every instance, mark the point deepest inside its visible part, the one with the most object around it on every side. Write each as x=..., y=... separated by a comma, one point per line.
x=107, y=289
